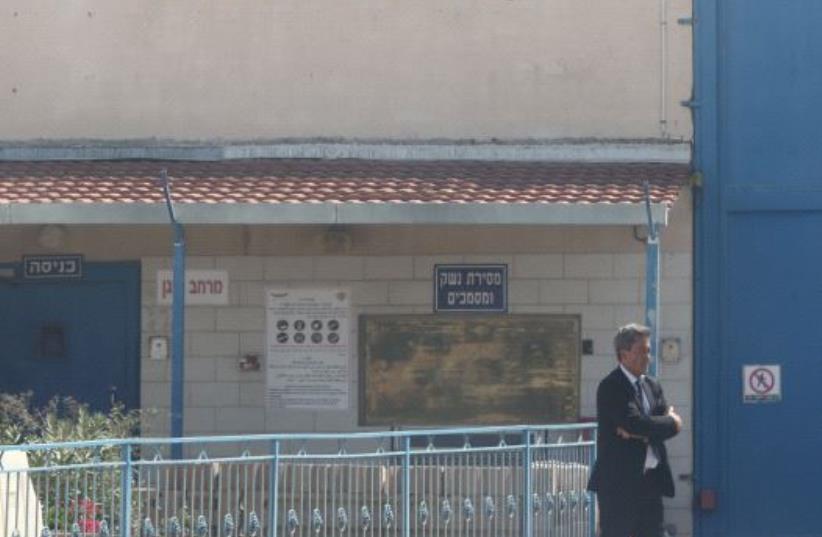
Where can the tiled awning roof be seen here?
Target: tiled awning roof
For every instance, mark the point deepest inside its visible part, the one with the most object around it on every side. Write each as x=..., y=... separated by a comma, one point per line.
x=302, y=182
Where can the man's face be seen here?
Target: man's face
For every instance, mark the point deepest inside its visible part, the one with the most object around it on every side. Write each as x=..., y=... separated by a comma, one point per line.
x=636, y=359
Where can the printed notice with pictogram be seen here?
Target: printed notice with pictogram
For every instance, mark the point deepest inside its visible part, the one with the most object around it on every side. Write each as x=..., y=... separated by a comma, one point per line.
x=762, y=383
x=307, y=348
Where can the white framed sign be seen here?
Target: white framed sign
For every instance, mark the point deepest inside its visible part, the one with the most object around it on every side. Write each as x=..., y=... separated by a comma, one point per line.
x=307, y=348
x=761, y=383
x=203, y=287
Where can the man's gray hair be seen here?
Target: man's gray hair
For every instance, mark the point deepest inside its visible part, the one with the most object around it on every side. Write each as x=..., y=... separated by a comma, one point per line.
x=627, y=335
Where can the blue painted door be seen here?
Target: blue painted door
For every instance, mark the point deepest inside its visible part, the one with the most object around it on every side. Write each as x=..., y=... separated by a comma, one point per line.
x=758, y=252
x=774, y=316
x=73, y=337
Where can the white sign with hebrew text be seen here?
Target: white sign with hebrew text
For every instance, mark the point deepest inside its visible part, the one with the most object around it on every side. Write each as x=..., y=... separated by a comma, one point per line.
x=203, y=287
x=307, y=348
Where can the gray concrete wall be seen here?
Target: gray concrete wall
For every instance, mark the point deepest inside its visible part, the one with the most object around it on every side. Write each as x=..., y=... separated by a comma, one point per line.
x=427, y=69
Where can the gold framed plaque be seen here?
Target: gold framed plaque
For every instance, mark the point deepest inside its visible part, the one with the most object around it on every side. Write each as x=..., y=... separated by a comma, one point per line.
x=424, y=370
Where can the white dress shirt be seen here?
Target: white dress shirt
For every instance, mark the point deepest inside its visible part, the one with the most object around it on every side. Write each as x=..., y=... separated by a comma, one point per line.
x=651, y=460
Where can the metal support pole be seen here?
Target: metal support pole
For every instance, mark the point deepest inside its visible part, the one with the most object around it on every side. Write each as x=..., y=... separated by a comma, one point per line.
x=273, y=489
x=527, y=499
x=406, y=487
x=125, y=491
x=652, y=283
x=177, y=323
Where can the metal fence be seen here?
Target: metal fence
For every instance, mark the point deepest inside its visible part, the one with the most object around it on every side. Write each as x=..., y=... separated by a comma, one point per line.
x=478, y=482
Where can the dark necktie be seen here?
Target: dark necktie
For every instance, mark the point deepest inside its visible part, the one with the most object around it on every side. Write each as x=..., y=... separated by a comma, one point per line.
x=638, y=385
x=639, y=394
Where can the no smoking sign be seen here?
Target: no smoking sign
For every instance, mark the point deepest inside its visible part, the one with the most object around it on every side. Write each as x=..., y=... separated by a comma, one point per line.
x=762, y=383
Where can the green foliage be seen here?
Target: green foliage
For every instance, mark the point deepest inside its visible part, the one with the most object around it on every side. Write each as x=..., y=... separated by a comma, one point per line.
x=63, y=419
x=69, y=496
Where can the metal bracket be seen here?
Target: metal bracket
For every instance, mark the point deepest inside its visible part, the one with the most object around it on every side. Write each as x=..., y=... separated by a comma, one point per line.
x=686, y=21
x=691, y=103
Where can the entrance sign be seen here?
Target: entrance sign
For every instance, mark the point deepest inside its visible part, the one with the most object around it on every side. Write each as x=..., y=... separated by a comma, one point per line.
x=203, y=287
x=762, y=383
x=471, y=288
x=307, y=348
x=40, y=267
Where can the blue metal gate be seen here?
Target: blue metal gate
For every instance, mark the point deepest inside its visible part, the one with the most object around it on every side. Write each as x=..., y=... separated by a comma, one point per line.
x=73, y=337
x=758, y=283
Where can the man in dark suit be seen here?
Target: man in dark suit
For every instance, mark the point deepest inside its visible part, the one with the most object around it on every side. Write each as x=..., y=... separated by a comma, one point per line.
x=631, y=473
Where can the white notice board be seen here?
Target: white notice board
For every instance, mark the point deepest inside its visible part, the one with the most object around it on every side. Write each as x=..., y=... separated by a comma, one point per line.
x=307, y=357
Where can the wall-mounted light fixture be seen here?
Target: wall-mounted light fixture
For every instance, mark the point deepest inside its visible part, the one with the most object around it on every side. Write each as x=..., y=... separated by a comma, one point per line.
x=52, y=237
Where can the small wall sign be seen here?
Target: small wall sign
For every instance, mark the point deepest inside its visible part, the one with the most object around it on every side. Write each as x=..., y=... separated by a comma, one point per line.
x=40, y=267
x=762, y=383
x=203, y=287
x=471, y=288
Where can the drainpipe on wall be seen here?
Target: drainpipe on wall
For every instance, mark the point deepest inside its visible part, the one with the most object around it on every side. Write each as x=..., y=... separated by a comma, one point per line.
x=652, y=282
x=177, y=321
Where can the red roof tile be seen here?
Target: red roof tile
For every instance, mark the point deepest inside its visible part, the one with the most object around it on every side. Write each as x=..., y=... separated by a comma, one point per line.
x=338, y=181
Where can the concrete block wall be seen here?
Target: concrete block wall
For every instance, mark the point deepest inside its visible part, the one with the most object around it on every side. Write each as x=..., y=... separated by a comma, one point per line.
x=606, y=289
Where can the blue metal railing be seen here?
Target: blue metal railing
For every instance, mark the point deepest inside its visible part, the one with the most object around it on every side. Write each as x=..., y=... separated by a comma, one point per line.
x=494, y=481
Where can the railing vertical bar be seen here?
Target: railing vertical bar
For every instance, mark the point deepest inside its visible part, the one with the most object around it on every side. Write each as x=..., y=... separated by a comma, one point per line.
x=273, y=482
x=222, y=476
x=328, y=516
x=36, y=482
x=17, y=504
x=166, y=494
x=125, y=490
x=157, y=493
x=213, y=475
x=239, y=509
x=250, y=498
x=592, y=453
x=138, y=490
x=28, y=508
x=526, y=483
x=406, y=487
x=193, y=513
x=6, y=478
x=499, y=476
x=65, y=501
x=201, y=510
x=505, y=470
x=305, y=499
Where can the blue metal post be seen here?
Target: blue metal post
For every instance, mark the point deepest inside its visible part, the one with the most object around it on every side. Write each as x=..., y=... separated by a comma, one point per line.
x=274, y=478
x=652, y=283
x=406, y=487
x=125, y=491
x=527, y=500
x=177, y=323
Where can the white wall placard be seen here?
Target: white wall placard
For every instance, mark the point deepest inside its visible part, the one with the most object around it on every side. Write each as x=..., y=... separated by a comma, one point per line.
x=203, y=287
x=762, y=383
x=307, y=348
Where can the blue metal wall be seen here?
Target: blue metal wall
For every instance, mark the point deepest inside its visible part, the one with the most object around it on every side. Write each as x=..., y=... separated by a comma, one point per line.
x=758, y=82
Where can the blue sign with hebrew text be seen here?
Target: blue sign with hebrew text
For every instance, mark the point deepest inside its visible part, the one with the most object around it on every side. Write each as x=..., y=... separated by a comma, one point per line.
x=36, y=267
x=471, y=288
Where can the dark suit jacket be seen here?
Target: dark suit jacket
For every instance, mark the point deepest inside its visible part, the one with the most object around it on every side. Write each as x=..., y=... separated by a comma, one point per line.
x=620, y=463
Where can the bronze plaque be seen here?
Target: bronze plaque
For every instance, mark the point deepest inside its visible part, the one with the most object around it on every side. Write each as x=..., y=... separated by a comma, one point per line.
x=469, y=369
